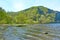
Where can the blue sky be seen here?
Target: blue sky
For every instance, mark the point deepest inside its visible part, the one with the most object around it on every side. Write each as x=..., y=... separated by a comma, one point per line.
x=17, y=5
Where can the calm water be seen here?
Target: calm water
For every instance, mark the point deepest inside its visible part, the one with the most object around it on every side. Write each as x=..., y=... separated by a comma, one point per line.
x=31, y=32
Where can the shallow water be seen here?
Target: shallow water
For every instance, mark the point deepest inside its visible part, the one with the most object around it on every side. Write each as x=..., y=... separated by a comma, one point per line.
x=31, y=32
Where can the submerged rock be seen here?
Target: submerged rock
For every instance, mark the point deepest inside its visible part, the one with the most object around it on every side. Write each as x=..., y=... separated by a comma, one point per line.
x=46, y=33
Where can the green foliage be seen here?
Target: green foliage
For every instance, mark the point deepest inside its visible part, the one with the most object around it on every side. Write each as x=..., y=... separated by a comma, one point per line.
x=48, y=18
x=45, y=10
x=4, y=17
x=28, y=16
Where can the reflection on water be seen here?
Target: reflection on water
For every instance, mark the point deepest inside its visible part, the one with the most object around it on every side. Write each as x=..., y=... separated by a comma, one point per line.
x=31, y=32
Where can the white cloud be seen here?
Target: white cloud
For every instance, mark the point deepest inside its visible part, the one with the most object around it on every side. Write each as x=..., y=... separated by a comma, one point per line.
x=17, y=5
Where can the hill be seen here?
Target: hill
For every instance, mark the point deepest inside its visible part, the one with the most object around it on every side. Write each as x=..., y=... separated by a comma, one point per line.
x=32, y=15
x=36, y=14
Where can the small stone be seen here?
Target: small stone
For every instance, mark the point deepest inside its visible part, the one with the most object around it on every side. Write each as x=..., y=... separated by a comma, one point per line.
x=46, y=32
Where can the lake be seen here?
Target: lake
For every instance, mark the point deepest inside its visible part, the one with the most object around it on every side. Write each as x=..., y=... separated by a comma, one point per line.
x=31, y=32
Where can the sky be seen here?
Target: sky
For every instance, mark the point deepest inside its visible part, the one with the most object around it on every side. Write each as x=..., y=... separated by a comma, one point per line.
x=18, y=5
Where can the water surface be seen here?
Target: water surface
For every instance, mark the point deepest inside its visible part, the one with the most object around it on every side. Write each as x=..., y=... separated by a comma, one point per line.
x=31, y=32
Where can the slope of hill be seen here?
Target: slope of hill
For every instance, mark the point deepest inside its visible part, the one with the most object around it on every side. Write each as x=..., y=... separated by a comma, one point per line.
x=33, y=15
x=4, y=17
x=36, y=14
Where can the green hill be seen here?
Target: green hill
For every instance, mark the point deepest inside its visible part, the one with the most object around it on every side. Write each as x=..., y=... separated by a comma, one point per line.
x=38, y=14
x=33, y=15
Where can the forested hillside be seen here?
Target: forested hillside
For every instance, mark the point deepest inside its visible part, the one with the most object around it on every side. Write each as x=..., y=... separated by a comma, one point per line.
x=33, y=15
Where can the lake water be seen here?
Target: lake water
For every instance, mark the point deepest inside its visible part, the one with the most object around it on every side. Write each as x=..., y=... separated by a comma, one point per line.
x=31, y=32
